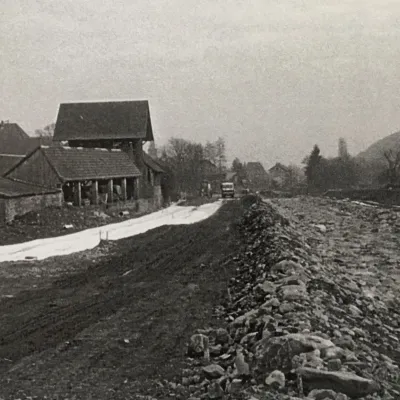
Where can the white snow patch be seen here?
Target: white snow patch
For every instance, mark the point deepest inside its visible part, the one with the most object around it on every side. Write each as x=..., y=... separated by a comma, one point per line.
x=63, y=245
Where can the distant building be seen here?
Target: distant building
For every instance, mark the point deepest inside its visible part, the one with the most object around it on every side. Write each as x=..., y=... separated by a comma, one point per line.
x=15, y=143
x=279, y=174
x=257, y=176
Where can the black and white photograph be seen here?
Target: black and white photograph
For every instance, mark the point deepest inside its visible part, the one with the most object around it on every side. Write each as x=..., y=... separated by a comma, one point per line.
x=200, y=200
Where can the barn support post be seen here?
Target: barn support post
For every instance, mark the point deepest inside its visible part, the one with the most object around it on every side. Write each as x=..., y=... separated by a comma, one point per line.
x=136, y=186
x=124, y=189
x=78, y=194
x=110, y=192
x=95, y=192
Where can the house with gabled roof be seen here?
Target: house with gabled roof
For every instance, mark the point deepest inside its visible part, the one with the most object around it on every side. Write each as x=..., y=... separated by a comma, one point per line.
x=13, y=139
x=15, y=144
x=257, y=176
x=82, y=173
x=279, y=174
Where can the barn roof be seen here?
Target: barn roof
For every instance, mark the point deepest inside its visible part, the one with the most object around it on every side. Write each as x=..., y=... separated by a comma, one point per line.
x=15, y=141
x=104, y=120
x=279, y=166
x=10, y=188
x=255, y=166
x=7, y=161
x=87, y=163
x=153, y=164
x=77, y=163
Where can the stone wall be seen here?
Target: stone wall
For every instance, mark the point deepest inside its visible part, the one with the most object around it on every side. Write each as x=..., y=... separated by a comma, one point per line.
x=9, y=208
x=143, y=205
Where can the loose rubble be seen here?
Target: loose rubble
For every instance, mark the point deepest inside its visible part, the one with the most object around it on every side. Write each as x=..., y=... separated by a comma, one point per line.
x=297, y=326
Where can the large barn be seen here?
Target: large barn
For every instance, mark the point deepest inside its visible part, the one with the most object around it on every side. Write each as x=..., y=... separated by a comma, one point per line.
x=124, y=125
x=82, y=173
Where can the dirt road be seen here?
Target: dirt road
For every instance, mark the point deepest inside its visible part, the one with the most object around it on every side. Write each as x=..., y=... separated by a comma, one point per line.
x=110, y=323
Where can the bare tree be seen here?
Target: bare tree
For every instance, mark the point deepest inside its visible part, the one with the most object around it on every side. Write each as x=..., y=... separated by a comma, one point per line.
x=184, y=158
x=393, y=160
x=220, y=153
x=343, y=152
x=295, y=176
x=210, y=152
x=47, y=131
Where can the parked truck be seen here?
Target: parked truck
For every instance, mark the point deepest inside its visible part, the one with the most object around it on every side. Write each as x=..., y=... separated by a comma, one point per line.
x=227, y=189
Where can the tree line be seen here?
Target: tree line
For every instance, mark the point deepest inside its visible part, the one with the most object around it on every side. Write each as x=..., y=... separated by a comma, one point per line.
x=184, y=159
x=345, y=171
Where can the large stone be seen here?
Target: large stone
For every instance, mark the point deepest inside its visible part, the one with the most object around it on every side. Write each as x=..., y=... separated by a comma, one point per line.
x=334, y=352
x=242, y=319
x=355, y=311
x=241, y=365
x=198, y=346
x=277, y=352
x=213, y=371
x=268, y=287
x=321, y=228
x=235, y=386
x=344, y=382
x=215, y=391
x=334, y=364
x=346, y=342
x=294, y=292
x=325, y=394
x=287, y=266
x=274, y=302
x=275, y=380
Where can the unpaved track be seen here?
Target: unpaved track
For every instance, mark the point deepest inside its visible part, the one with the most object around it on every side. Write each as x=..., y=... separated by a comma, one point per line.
x=124, y=331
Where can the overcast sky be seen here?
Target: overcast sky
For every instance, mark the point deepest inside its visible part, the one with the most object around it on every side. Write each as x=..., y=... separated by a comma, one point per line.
x=273, y=77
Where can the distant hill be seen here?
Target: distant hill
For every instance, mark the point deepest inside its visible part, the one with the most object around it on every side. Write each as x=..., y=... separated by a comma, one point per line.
x=376, y=150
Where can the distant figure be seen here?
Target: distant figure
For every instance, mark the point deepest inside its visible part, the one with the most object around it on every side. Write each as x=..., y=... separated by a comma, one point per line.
x=209, y=190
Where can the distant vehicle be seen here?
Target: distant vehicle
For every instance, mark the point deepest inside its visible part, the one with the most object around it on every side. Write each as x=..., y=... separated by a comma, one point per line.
x=227, y=189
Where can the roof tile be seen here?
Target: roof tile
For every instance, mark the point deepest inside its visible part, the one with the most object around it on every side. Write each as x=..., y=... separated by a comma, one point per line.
x=104, y=120
x=10, y=188
x=88, y=163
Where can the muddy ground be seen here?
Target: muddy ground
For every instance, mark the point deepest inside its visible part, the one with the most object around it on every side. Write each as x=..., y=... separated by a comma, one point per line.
x=112, y=322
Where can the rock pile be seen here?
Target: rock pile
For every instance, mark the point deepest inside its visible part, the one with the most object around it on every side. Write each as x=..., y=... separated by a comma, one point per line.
x=295, y=326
